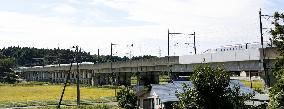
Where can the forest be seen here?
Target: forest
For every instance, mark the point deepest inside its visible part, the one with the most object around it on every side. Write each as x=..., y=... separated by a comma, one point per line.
x=30, y=56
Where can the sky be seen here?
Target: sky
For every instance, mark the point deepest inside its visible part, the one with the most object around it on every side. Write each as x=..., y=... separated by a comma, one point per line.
x=95, y=24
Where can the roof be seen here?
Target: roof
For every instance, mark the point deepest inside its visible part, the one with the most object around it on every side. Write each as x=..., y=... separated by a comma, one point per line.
x=243, y=88
x=168, y=92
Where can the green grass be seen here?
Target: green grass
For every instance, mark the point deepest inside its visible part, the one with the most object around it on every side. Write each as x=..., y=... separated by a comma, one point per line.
x=37, y=94
x=256, y=84
x=134, y=80
x=101, y=106
x=164, y=79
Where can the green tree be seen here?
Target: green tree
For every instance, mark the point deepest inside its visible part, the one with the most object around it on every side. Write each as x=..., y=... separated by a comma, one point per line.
x=127, y=99
x=276, y=93
x=211, y=91
x=6, y=74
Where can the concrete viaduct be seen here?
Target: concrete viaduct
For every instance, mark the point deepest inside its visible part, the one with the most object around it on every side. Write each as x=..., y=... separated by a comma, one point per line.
x=148, y=70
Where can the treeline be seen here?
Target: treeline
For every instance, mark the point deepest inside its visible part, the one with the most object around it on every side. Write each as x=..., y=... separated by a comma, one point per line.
x=30, y=56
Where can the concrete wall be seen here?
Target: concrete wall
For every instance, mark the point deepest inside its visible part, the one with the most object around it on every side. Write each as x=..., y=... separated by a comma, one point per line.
x=226, y=56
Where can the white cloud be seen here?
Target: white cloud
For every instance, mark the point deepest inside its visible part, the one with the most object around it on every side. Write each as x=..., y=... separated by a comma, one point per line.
x=34, y=31
x=215, y=22
x=64, y=9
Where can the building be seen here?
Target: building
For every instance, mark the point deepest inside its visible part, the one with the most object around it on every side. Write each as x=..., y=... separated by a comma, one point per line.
x=163, y=96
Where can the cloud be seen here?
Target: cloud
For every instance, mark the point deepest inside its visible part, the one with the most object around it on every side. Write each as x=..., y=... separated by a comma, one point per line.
x=216, y=22
x=64, y=9
x=35, y=31
x=94, y=24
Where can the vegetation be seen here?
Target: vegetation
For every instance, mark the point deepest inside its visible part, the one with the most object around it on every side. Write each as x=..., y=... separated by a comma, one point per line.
x=14, y=95
x=164, y=79
x=6, y=73
x=276, y=93
x=98, y=106
x=127, y=99
x=26, y=56
x=256, y=84
x=143, y=57
x=211, y=91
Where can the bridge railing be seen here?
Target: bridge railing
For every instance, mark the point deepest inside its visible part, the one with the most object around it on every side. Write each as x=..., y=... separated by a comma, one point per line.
x=107, y=65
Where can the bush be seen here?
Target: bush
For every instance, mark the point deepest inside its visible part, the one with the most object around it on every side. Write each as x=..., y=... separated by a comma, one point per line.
x=276, y=93
x=211, y=91
x=127, y=99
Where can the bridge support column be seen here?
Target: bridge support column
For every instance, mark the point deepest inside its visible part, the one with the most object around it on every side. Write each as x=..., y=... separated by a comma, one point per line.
x=123, y=78
x=93, y=78
x=72, y=77
x=146, y=78
x=102, y=79
x=57, y=77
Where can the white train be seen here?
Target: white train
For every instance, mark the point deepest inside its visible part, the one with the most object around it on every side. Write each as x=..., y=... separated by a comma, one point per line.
x=254, y=45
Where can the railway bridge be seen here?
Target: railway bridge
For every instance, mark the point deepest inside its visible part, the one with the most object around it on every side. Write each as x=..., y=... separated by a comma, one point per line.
x=148, y=70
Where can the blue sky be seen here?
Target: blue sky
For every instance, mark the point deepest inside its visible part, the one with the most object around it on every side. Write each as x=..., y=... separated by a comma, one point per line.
x=94, y=24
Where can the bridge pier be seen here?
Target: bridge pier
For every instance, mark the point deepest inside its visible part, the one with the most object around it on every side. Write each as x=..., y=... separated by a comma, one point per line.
x=102, y=79
x=146, y=78
x=86, y=76
x=123, y=78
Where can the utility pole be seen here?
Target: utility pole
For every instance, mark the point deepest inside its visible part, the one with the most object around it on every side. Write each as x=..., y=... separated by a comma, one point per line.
x=169, y=43
x=98, y=57
x=169, y=50
x=65, y=84
x=168, y=46
x=78, y=76
x=98, y=53
x=194, y=44
x=113, y=74
x=263, y=53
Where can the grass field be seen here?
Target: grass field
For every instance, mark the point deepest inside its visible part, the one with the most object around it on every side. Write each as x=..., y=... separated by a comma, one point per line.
x=26, y=95
x=256, y=84
x=50, y=92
